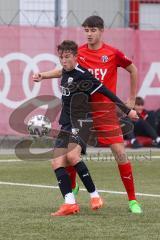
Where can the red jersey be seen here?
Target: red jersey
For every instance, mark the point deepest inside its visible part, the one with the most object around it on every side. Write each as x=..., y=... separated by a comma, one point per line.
x=143, y=114
x=103, y=64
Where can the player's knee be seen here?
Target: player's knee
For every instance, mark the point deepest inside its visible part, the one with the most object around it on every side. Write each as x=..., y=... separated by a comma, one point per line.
x=73, y=158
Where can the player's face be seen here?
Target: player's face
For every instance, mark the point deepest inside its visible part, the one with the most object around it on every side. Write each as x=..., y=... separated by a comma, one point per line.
x=68, y=60
x=138, y=108
x=93, y=34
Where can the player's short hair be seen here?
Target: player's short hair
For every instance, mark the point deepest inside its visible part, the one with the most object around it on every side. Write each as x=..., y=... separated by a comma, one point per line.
x=139, y=101
x=68, y=45
x=93, y=21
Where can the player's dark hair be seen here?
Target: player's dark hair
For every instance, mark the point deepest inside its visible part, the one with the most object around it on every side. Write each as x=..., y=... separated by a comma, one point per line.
x=68, y=45
x=93, y=21
x=139, y=101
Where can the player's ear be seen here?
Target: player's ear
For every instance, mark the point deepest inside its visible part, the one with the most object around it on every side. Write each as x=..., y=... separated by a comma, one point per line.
x=102, y=30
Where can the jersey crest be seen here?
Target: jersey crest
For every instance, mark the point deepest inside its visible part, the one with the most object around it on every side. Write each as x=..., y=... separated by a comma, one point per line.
x=104, y=58
x=70, y=80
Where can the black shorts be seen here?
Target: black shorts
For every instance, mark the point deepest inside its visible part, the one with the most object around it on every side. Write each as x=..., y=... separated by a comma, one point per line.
x=68, y=135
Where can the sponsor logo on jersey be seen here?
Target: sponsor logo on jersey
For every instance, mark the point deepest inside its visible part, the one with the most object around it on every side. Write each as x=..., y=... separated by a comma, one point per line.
x=99, y=73
x=104, y=58
x=65, y=91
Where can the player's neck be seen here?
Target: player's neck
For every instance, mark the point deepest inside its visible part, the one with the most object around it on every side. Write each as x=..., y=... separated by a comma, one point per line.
x=95, y=46
x=71, y=68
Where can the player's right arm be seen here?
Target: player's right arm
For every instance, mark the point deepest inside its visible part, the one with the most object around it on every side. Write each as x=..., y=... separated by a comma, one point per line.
x=55, y=73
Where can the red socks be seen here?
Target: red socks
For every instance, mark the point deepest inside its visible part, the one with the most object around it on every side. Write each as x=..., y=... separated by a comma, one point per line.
x=127, y=179
x=72, y=175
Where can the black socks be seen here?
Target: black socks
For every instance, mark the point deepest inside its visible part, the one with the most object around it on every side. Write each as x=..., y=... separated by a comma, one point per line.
x=63, y=181
x=85, y=177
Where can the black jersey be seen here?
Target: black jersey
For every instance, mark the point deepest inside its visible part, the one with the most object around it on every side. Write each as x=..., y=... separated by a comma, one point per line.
x=82, y=83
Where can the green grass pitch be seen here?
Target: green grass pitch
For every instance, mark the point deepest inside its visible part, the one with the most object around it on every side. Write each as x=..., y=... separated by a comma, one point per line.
x=25, y=211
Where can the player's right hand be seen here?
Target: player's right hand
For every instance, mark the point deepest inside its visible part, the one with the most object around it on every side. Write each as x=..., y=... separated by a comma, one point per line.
x=133, y=115
x=37, y=77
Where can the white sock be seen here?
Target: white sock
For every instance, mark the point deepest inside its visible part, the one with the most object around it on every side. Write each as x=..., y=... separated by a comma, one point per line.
x=69, y=198
x=158, y=139
x=94, y=194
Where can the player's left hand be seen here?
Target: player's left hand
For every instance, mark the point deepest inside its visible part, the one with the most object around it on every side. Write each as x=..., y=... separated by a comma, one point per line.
x=133, y=115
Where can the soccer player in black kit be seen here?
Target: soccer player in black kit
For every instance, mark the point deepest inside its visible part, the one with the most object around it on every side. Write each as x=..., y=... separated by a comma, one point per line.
x=77, y=85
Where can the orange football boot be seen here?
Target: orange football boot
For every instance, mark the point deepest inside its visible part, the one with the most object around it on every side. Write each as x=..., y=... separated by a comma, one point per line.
x=67, y=209
x=96, y=203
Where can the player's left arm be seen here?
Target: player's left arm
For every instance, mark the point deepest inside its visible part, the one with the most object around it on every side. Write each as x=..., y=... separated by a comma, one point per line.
x=106, y=92
x=96, y=86
x=133, y=84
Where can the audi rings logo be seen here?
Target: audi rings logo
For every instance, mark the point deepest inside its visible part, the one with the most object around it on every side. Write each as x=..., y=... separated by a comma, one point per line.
x=31, y=65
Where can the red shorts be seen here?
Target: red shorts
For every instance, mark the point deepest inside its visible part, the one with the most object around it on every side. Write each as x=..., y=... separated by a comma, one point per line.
x=106, y=123
x=110, y=135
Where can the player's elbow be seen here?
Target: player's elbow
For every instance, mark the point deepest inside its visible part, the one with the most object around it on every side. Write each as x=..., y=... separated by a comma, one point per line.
x=132, y=69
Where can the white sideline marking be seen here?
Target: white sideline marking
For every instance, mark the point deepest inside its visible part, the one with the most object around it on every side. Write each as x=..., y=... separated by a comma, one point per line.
x=10, y=160
x=81, y=189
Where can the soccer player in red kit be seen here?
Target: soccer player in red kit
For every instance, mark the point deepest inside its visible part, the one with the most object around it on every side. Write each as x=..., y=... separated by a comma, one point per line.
x=102, y=61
